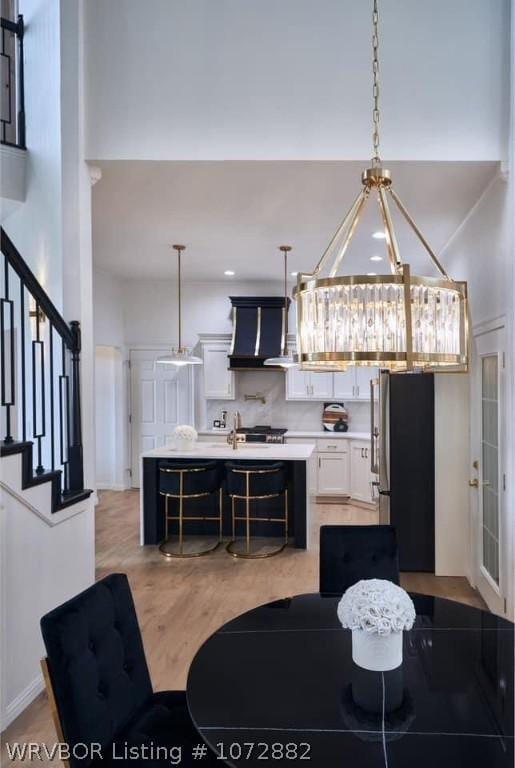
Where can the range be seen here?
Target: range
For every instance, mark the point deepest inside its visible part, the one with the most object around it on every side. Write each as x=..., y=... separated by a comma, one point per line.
x=260, y=434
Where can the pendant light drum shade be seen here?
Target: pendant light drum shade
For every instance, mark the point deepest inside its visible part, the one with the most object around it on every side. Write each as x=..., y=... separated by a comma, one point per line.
x=365, y=320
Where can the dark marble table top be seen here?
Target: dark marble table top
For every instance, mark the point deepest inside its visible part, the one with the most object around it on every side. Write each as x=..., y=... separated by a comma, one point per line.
x=277, y=686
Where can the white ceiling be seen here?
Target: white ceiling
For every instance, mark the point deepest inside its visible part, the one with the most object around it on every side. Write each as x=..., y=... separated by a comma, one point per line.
x=234, y=215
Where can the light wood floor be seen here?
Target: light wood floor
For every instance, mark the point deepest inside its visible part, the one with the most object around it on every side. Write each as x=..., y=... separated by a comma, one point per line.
x=181, y=602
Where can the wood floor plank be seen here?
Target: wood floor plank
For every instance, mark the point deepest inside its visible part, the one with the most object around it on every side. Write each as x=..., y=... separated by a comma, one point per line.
x=180, y=603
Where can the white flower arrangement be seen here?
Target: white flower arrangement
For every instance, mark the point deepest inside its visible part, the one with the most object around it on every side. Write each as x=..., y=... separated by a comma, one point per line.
x=376, y=606
x=185, y=432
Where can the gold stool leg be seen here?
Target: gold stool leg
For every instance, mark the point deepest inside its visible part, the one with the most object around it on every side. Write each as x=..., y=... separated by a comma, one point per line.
x=285, y=516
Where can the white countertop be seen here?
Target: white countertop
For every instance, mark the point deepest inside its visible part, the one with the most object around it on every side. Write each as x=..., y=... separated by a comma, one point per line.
x=310, y=434
x=254, y=451
x=330, y=435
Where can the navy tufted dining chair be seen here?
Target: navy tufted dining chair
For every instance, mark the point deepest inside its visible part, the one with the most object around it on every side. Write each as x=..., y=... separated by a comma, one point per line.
x=349, y=553
x=98, y=679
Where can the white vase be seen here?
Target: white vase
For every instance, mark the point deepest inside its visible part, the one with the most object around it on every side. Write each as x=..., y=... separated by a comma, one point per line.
x=184, y=444
x=379, y=653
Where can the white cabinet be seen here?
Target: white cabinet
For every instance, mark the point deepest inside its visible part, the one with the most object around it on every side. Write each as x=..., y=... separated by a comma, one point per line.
x=321, y=386
x=354, y=384
x=363, y=378
x=218, y=380
x=306, y=385
x=344, y=385
x=333, y=468
x=297, y=384
x=360, y=475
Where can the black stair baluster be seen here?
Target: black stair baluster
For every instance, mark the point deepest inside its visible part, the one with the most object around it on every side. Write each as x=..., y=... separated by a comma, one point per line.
x=76, y=476
x=52, y=416
x=39, y=419
x=22, y=362
x=7, y=356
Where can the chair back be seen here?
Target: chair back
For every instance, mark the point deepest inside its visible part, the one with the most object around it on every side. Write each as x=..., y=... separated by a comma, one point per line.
x=264, y=479
x=349, y=553
x=96, y=662
x=199, y=477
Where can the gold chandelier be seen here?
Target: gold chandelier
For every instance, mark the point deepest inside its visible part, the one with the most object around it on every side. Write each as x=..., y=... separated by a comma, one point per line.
x=396, y=321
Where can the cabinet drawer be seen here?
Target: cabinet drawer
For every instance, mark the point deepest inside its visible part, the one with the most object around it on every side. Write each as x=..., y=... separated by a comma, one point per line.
x=326, y=445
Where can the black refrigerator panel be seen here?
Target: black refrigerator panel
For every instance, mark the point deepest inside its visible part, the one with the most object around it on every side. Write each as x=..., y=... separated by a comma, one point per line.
x=412, y=469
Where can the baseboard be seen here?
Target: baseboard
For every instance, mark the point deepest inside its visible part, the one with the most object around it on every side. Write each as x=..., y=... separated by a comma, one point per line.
x=107, y=487
x=22, y=701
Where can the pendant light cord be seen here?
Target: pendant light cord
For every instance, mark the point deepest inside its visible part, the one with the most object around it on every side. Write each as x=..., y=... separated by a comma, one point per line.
x=179, y=249
x=179, y=295
x=376, y=159
x=285, y=249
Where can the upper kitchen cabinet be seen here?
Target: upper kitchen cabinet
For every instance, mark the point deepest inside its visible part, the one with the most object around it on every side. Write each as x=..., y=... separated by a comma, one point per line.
x=354, y=384
x=305, y=385
x=218, y=379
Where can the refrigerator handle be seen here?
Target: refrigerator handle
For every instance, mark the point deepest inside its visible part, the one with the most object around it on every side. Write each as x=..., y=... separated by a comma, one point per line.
x=374, y=432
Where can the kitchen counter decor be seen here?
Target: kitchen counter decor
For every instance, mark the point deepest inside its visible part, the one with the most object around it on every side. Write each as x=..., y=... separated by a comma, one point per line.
x=185, y=437
x=377, y=612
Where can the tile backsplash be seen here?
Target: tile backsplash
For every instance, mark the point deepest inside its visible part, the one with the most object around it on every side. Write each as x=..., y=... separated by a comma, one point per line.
x=277, y=411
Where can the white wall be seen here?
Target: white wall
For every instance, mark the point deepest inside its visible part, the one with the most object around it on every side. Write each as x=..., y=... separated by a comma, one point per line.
x=482, y=252
x=108, y=310
x=36, y=227
x=45, y=559
x=111, y=382
x=264, y=80
x=150, y=308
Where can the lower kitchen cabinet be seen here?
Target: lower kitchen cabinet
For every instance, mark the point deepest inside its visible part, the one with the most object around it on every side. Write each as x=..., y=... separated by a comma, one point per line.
x=360, y=475
x=333, y=474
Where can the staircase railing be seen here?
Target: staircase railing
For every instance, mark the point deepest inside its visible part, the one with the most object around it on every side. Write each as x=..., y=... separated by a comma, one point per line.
x=40, y=378
x=12, y=102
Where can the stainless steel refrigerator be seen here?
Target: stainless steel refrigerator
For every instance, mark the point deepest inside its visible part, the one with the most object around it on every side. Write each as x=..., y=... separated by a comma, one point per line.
x=403, y=460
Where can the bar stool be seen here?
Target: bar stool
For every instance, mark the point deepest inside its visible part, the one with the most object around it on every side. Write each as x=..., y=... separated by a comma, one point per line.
x=251, y=482
x=189, y=481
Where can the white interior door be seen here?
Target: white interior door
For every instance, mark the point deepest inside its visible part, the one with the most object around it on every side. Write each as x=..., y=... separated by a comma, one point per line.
x=487, y=483
x=161, y=398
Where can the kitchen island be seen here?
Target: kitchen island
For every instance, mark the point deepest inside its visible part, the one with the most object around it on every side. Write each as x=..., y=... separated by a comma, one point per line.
x=295, y=457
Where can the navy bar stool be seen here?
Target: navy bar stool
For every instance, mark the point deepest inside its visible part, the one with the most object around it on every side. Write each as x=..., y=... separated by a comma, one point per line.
x=185, y=481
x=249, y=482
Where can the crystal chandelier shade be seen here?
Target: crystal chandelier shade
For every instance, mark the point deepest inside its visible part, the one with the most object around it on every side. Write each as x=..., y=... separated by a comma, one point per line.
x=363, y=322
x=396, y=321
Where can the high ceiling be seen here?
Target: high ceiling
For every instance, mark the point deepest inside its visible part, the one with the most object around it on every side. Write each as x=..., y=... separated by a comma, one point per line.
x=234, y=215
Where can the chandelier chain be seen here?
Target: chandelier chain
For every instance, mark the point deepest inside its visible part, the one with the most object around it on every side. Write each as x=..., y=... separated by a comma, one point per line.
x=376, y=160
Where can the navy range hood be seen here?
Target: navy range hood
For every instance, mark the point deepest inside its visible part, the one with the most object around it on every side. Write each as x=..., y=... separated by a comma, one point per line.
x=258, y=327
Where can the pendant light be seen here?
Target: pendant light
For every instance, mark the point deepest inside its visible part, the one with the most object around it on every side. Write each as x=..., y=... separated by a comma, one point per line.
x=285, y=359
x=396, y=321
x=179, y=356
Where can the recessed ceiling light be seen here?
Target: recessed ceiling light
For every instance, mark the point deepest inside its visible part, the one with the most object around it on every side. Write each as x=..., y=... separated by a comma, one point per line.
x=376, y=258
x=229, y=273
x=371, y=274
x=379, y=235
x=294, y=274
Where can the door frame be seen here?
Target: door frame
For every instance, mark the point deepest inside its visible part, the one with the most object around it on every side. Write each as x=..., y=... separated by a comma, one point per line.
x=499, y=599
x=130, y=426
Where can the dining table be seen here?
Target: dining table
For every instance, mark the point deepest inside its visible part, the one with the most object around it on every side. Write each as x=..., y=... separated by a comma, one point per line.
x=278, y=686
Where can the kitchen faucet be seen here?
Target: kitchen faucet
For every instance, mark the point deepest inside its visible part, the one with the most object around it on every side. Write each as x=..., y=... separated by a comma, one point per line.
x=232, y=438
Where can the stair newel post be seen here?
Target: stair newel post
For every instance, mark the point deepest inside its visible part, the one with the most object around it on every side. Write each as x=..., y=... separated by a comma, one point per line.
x=76, y=472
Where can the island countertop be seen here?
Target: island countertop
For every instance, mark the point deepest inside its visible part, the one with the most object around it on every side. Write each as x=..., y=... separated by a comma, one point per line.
x=225, y=452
